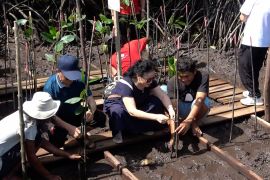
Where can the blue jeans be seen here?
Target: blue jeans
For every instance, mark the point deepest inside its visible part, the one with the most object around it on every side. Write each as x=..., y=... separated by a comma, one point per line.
x=185, y=107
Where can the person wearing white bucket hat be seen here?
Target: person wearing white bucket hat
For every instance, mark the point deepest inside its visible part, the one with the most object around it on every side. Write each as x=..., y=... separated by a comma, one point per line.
x=41, y=108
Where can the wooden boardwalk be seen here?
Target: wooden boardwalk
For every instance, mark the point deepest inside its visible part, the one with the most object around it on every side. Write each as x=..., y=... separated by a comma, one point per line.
x=219, y=90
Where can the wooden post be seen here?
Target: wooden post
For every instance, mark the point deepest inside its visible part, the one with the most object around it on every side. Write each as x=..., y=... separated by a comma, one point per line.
x=124, y=171
x=267, y=88
x=117, y=43
x=147, y=27
x=236, y=164
x=20, y=108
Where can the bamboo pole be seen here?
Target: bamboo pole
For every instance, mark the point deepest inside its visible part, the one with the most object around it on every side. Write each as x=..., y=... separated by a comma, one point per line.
x=79, y=14
x=236, y=164
x=267, y=88
x=123, y=171
x=261, y=121
x=20, y=108
x=117, y=43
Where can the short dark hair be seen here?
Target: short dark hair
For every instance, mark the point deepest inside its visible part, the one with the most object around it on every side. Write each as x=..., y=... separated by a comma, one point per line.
x=186, y=64
x=142, y=67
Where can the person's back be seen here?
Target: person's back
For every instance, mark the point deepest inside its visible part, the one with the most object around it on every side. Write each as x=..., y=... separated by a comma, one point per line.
x=257, y=25
x=131, y=52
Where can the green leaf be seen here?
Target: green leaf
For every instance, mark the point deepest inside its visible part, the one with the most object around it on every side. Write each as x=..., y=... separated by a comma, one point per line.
x=28, y=32
x=78, y=19
x=49, y=57
x=126, y=2
x=53, y=30
x=172, y=66
x=68, y=38
x=83, y=94
x=79, y=110
x=73, y=100
x=59, y=46
x=99, y=26
x=171, y=20
x=66, y=25
x=21, y=22
x=47, y=37
x=105, y=20
x=72, y=17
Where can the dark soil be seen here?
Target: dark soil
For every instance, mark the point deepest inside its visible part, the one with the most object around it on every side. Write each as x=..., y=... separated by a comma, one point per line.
x=250, y=148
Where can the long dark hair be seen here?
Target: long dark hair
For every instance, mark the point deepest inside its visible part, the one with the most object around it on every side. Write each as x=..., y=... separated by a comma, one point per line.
x=141, y=67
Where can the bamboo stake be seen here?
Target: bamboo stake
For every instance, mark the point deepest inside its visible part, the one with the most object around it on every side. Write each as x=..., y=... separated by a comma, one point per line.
x=147, y=27
x=267, y=89
x=20, y=108
x=261, y=121
x=123, y=171
x=117, y=43
x=236, y=164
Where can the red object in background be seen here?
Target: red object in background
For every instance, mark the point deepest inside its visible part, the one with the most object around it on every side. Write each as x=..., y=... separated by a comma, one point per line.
x=124, y=9
x=129, y=53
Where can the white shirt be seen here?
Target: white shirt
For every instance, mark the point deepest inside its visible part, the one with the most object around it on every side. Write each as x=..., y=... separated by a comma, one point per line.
x=257, y=27
x=10, y=132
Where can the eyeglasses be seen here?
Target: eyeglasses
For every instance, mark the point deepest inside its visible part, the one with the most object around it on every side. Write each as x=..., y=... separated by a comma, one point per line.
x=148, y=80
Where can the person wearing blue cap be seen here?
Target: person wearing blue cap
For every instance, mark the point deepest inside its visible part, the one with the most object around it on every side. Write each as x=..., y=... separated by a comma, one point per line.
x=64, y=85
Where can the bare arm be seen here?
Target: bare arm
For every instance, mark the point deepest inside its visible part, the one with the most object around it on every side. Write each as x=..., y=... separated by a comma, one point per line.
x=163, y=97
x=35, y=163
x=92, y=108
x=56, y=151
x=243, y=17
x=130, y=105
x=72, y=130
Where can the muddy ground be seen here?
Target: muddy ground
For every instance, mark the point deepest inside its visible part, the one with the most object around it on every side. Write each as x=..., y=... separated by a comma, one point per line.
x=250, y=148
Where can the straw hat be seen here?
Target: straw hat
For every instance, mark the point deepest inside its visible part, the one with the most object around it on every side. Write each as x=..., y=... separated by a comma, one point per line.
x=42, y=106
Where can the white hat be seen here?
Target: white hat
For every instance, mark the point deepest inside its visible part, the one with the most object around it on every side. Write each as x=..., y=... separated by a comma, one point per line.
x=42, y=106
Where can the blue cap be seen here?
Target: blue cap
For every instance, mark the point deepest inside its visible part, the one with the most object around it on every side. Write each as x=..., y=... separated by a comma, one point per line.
x=69, y=66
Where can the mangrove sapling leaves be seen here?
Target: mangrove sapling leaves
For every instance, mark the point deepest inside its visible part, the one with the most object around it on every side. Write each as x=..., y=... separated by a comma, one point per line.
x=105, y=20
x=21, y=22
x=28, y=32
x=50, y=57
x=73, y=100
x=47, y=37
x=68, y=38
x=172, y=66
x=126, y=2
x=59, y=46
x=83, y=94
x=139, y=24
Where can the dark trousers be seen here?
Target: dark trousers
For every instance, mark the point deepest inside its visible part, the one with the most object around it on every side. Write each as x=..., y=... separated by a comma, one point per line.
x=120, y=120
x=245, y=67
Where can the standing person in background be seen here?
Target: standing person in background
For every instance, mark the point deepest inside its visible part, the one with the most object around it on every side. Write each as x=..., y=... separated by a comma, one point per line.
x=64, y=85
x=126, y=16
x=255, y=42
x=130, y=53
x=40, y=108
x=137, y=104
x=193, y=89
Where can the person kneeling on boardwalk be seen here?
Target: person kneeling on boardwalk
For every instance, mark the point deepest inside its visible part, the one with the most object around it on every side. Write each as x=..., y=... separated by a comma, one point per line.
x=137, y=104
x=193, y=89
x=64, y=85
x=40, y=108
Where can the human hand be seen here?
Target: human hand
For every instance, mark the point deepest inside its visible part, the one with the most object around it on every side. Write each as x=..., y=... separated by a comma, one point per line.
x=171, y=112
x=196, y=131
x=74, y=131
x=74, y=156
x=161, y=118
x=183, y=127
x=89, y=116
x=53, y=177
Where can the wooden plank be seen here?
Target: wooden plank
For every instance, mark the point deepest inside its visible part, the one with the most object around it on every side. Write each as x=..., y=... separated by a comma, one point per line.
x=226, y=100
x=217, y=82
x=225, y=93
x=225, y=108
x=213, y=78
x=219, y=88
x=228, y=115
